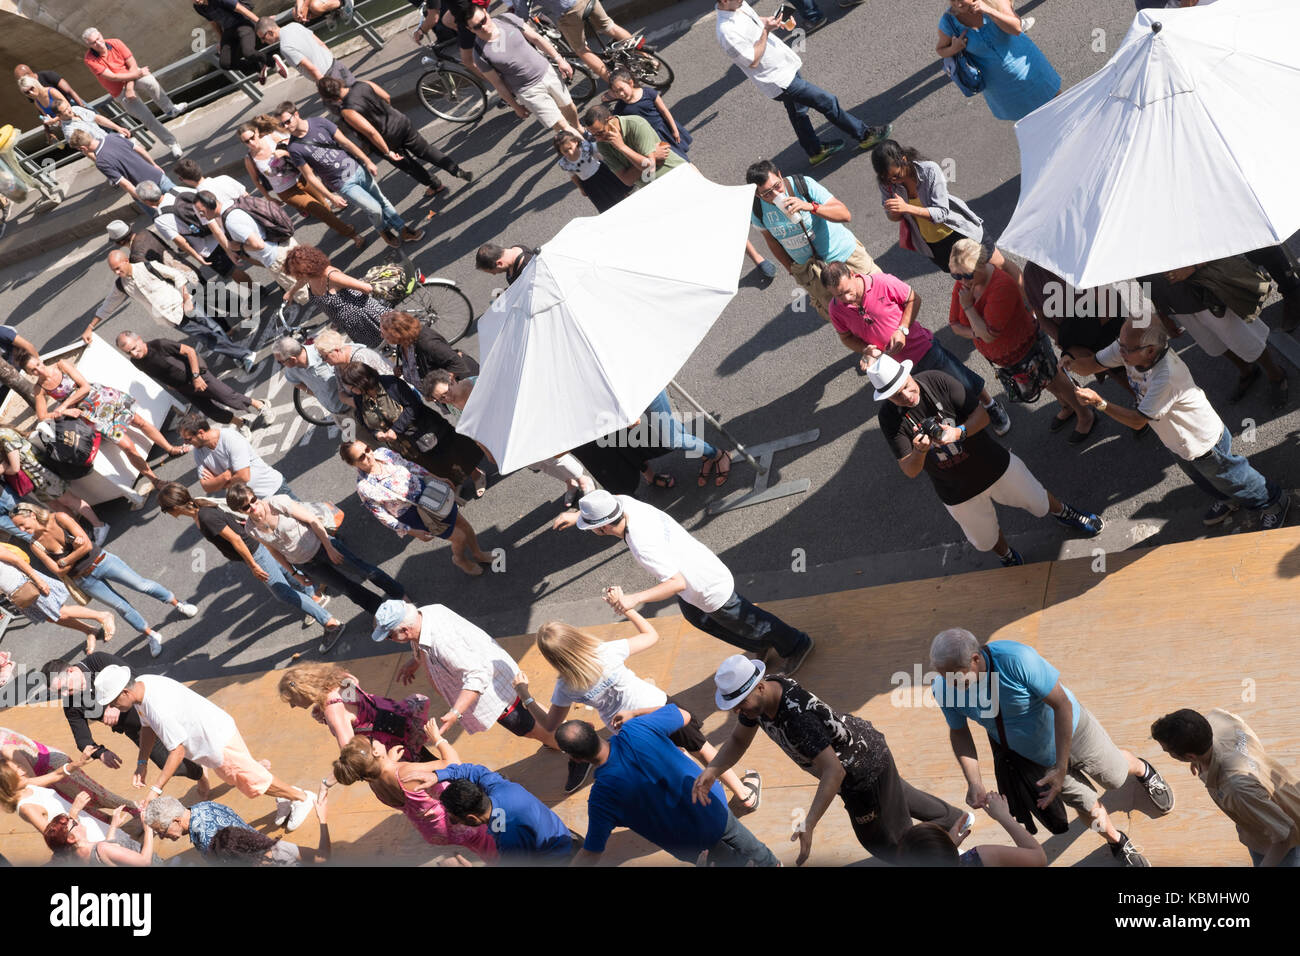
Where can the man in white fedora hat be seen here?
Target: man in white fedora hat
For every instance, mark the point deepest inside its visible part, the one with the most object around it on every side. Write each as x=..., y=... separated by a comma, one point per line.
x=190, y=725
x=688, y=571
x=935, y=424
x=844, y=752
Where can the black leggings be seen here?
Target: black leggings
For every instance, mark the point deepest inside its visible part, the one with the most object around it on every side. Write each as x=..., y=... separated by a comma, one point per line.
x=415, y=147
x=239, y=50
x=218, y=400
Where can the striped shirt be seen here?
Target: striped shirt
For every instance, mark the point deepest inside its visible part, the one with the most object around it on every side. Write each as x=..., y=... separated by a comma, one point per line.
x=460, y=656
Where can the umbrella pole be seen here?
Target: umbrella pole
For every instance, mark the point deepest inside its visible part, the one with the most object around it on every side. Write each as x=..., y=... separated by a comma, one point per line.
x=759, y=466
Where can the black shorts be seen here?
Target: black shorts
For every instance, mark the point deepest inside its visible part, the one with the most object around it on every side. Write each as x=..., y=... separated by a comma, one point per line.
x=691, y=736
x=517, y=719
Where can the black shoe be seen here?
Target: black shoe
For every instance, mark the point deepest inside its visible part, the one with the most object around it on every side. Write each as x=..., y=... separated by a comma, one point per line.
x=578, y=774
x=792, y=663
x=1127, y=852
x=332, y=634
x=1161, y=794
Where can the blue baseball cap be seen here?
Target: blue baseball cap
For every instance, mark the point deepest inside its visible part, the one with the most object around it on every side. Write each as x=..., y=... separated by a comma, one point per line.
x=390, y=615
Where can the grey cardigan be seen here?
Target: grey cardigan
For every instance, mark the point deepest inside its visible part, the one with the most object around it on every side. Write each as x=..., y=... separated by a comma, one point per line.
x=946, y=210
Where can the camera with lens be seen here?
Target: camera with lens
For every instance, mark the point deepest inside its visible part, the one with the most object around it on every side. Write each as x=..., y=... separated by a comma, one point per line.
x=932, y=428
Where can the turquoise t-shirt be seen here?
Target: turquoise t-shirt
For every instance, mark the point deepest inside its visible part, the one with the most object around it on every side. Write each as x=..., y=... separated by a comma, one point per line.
x=833, y=241
x=1024, y=679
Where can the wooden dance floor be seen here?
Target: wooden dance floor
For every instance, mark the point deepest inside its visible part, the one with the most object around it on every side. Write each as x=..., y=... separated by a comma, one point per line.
x=1200, y=624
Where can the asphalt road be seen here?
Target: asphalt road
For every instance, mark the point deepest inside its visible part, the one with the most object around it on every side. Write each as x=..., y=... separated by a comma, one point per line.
x=768, y=371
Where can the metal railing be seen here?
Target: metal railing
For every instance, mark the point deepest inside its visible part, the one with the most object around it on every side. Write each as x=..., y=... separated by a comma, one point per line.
x=39, y=158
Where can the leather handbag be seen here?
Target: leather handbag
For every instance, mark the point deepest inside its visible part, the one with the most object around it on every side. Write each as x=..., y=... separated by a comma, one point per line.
x=1017, y=777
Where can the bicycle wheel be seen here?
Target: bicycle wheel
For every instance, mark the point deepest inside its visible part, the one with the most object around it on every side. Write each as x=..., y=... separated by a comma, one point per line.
x=452, y=94
x=310, y=408
x=441, y=305
x=582, y=85
x=650, y=70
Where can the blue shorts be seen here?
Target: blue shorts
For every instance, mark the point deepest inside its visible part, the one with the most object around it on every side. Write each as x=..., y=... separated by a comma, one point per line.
x=941, y=360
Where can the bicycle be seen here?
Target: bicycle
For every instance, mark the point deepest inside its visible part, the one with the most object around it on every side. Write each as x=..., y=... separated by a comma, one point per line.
x=435, y=301
x=448, y=90
x=642, y=61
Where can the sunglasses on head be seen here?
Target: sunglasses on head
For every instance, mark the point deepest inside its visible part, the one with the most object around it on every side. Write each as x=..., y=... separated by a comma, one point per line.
x=963, y=275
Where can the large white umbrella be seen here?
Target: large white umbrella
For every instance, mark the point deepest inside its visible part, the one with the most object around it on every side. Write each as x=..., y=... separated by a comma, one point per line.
x=1178, y=151
x=601, y=320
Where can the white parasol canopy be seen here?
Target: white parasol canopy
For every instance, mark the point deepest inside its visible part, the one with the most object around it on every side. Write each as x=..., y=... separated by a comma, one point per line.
x=601, y=320
x=1178, y=151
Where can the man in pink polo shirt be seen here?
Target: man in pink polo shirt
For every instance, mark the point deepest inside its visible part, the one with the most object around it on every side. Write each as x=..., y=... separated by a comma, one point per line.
x=876, y=314
x=125, y=80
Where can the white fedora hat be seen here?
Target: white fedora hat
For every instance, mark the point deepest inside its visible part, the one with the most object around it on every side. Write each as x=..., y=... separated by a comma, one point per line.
x=736, y=677
x=888, y=375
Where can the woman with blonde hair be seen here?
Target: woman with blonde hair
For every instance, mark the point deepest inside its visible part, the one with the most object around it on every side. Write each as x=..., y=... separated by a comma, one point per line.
x=276, y=178
x=336, y=699
x=412, y=788
x=593, y=672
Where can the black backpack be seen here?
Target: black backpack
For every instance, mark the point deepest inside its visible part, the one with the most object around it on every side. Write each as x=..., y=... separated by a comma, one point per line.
x=72, y=453
x=276, y=226
x=188, y=217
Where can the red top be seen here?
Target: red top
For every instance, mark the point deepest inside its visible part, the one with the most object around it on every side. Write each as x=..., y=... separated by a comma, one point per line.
x=114, y=61
x=1003, y=310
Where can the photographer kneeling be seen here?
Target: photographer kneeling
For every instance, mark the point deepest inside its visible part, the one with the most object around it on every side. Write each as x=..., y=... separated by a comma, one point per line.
x=934, y=424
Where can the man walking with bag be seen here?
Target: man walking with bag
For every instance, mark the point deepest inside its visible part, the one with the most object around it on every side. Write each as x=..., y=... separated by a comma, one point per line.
x=1009, y=689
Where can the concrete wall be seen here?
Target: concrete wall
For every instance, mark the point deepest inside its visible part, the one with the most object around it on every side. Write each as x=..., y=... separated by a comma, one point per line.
x=46, y=35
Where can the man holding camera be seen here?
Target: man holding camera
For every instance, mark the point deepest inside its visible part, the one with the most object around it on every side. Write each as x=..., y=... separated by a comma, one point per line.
x=935, y=424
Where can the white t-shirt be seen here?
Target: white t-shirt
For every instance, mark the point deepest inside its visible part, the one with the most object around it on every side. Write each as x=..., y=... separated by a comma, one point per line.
x=226, y=188
x=182, y=718
x=293, y=539
x=169, y=228
x=234, y=453
x=1178, y=410
x=738, y=34
x=664, y=548
x=240, y=227
x=297, y=43
x=618, y=688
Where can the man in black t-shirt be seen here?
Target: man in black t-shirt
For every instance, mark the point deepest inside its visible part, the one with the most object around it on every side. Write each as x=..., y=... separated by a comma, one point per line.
x=844, y=752
x=509, y=261
x=236, y=40
x=73, y=685
x=969, y=469
x=367, y=110
x=180, y=368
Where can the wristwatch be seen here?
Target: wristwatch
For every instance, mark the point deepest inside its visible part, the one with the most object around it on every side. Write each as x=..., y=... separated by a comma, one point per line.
x=1102, y=405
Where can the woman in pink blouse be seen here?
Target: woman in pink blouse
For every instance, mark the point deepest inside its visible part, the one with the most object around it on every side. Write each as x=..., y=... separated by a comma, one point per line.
x=409, y=500
x=412, y=788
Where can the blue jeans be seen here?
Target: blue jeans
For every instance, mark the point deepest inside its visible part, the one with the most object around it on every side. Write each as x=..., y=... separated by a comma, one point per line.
x=285, y=588
x=809, y=12
x=7, y=504
x=1229, y=477
x=364, y=191
x=739, y=847
x=114, y=569
x=799, y=96
x=1292, y=857
x=166, y=185
x=746, y=626
x=940, y=359
x=323, y=571
x=669, y=427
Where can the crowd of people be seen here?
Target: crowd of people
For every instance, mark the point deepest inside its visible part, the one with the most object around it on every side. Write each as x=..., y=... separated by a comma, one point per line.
x=396, y=388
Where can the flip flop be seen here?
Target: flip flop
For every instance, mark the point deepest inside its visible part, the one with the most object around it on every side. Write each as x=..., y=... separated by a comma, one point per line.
x=754, y=782
x=661, y=481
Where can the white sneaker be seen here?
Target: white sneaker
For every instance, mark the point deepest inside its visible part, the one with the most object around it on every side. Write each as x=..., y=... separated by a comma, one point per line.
x=99, y=535
x=176, y=150
x=189, y=610
x=1026, y=24
x=155, y=643
x=176, y=110
x=280, y=67
x=299, y=810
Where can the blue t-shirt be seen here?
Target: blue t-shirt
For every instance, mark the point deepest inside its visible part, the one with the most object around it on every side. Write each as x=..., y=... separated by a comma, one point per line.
x=318, y=149
x=645, y=785
x=207, y=818
x=520, y=824
x=1024, y=679
x=832, y=240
